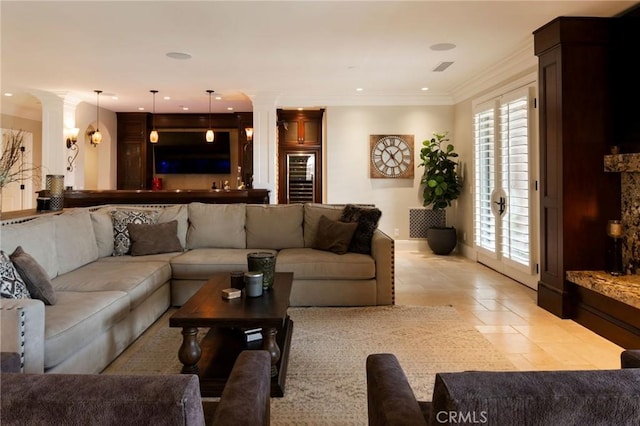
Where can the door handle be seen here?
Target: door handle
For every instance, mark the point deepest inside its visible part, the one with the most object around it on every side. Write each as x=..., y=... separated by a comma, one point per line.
x=502, y=203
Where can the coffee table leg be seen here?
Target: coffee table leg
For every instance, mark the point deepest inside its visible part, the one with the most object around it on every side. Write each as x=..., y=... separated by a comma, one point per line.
x=190, y=352
x=271, y=345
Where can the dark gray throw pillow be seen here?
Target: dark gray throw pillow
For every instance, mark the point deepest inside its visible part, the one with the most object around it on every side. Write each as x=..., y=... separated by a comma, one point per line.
x=367, y=219
x=34, y=276
x=154, y=239
x=333, y=235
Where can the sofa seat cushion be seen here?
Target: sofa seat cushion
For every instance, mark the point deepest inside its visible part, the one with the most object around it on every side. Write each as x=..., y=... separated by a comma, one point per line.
x=308, y=263
x=200, y=264
x=138, y=279
x=77, y=318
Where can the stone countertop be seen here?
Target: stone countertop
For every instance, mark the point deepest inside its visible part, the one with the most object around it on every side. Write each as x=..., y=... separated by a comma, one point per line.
x=622, y=163
x=623, y=288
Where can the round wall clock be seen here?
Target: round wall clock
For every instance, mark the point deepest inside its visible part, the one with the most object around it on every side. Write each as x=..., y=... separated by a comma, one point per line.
x=391, y=156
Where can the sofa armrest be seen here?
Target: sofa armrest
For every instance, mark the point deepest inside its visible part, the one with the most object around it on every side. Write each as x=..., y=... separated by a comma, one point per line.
x=22, y=331
x=245, y=400
x=98, y=399
x=630, y=358
x=390, y=399
x=383, y=252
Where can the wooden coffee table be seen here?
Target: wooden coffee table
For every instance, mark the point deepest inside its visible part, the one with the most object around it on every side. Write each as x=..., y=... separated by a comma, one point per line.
x=213, y=357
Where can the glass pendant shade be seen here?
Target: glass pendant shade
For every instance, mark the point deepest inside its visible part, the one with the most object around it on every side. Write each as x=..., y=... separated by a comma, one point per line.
x=96, y=137
x=153, y=136
x=209, y=135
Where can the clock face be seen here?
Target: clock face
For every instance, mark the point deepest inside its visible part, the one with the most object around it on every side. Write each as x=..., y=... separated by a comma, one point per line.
x=391, y=156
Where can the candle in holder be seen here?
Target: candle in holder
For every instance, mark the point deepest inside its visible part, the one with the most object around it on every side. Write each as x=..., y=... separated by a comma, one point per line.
x=615, y=229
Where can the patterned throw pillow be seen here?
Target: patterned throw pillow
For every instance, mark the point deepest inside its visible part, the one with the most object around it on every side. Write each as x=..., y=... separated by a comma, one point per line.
x=121, y=218
x=12, y=286
x=367, y=219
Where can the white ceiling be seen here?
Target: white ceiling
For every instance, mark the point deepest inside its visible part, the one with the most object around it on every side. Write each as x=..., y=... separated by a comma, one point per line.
x=299, y=53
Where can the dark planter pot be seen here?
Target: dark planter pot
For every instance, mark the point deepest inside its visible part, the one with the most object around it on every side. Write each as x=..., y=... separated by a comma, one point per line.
x=442, y=240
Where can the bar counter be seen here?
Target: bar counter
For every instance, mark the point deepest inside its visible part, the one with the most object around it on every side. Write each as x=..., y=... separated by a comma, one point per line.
x=88, y=198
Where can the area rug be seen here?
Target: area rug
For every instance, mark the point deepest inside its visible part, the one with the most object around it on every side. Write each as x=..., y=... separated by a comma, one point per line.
x=326, y=378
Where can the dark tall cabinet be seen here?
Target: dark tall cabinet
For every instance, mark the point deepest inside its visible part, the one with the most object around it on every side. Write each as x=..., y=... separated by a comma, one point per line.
x=134, y=163
x=577, y=197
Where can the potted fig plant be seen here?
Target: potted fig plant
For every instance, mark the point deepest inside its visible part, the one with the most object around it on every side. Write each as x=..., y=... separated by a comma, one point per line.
x=442, y=185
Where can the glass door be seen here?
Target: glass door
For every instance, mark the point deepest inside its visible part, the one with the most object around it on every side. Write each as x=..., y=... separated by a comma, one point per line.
x=300, y=177
x=505, y=186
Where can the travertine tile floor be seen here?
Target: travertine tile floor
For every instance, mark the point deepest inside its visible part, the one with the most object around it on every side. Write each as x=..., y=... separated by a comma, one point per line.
x=503, y=310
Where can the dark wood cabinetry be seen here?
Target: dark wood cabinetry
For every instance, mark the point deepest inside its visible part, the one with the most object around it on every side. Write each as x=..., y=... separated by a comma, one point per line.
x=299, y=156
x=134, y=162
x=577, y=197
x=300, y=128
x=135, y=153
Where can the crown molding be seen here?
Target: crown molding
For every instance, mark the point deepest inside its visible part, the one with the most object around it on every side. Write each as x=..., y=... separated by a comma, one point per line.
x=521, y=60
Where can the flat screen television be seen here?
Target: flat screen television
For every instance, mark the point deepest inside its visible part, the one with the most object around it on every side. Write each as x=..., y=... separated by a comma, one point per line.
x=187, y=152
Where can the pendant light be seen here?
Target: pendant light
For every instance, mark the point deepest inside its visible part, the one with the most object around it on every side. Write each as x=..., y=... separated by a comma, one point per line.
x=210, y=135
x=153, y=136
x=96, y=137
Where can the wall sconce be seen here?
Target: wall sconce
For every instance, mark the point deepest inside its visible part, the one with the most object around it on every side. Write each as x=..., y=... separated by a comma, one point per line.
x=615, y=230
x=72, y=138
x=249, y=132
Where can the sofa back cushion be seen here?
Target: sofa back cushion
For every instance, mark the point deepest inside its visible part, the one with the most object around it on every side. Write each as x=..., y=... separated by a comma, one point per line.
x=312, y=214
x=75, y=240
x=37, y=237
x=274, y=226
x=103, y=230
x=216, y=226
x=538, y=397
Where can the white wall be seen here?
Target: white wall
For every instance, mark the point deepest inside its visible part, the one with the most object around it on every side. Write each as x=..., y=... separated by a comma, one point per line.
x=96, y=166
x=346, y=168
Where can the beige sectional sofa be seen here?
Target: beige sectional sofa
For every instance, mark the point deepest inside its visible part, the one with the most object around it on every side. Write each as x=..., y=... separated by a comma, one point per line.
x=104, y=302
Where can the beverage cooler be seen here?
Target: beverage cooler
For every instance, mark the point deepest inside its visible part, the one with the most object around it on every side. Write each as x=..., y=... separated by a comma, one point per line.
x=300, y=179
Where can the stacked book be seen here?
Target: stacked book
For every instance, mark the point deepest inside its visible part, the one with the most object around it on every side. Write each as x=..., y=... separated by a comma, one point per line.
x=252, y=334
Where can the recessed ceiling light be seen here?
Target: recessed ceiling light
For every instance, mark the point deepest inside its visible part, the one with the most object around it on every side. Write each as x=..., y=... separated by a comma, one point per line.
x=184, y=108
x=359, y=89
x=7, y=94
x=167, y=98
x=229, y=109
x=178, y=55
x=140, y=108
x=218, y=98
x=424, y=89
x=115, y=98
x=442, y=46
